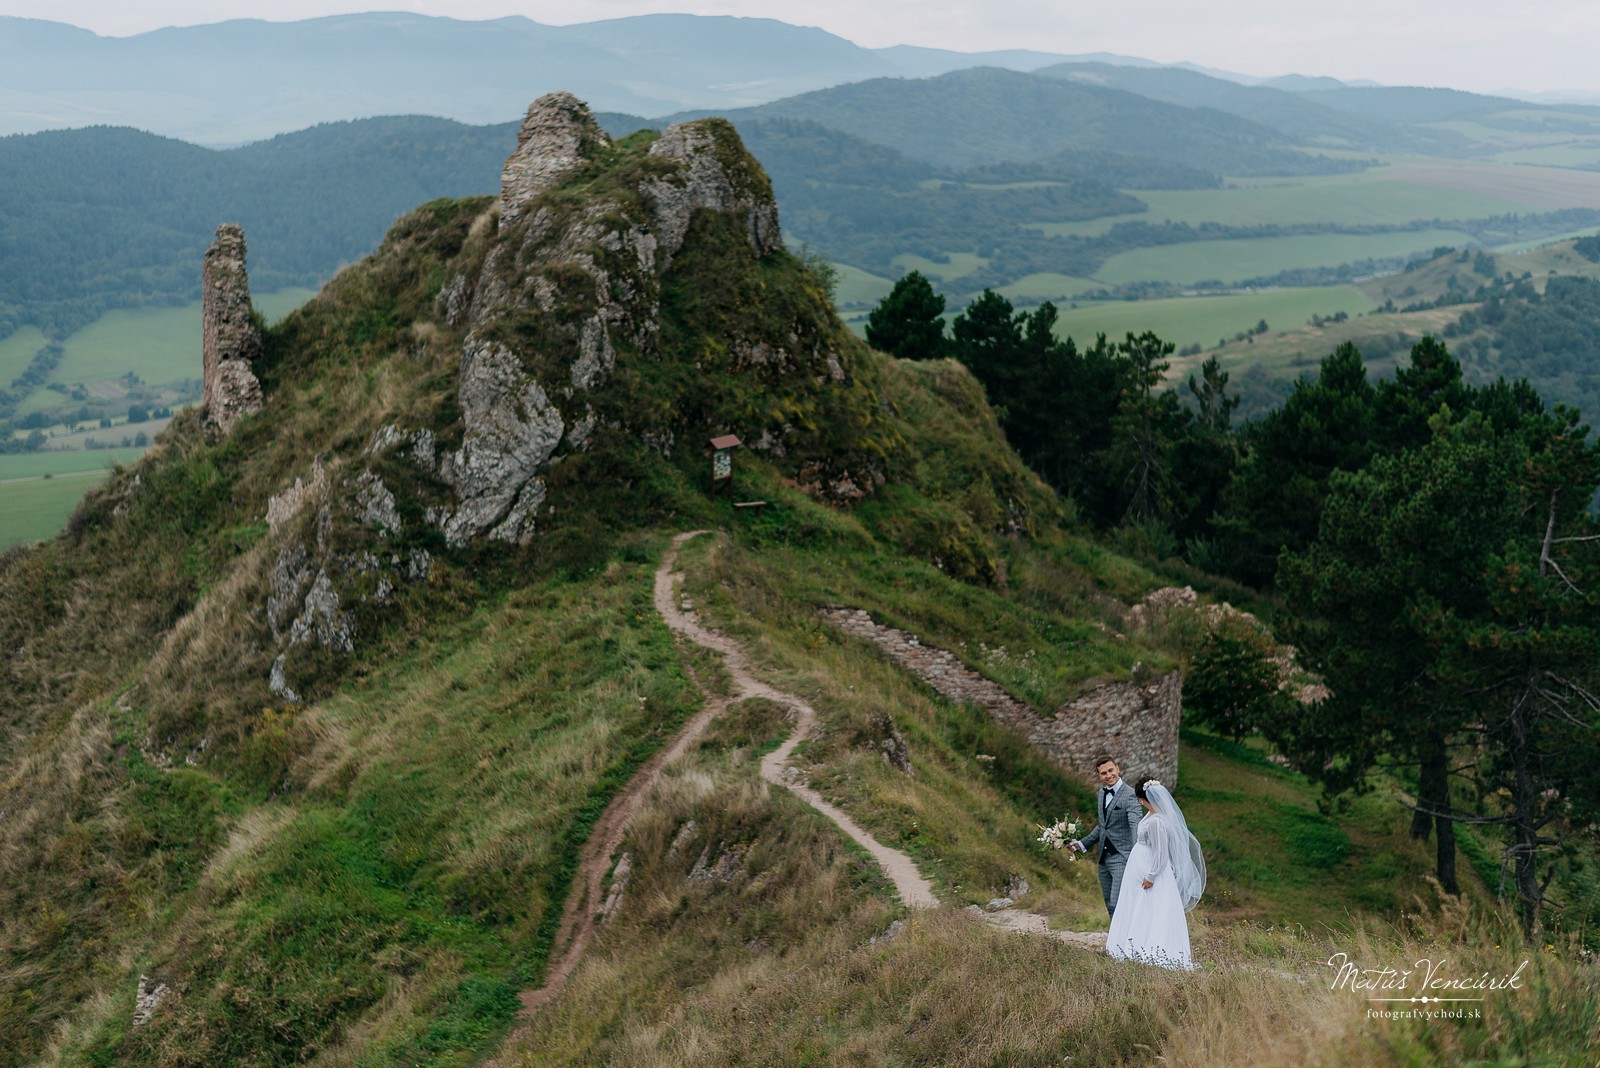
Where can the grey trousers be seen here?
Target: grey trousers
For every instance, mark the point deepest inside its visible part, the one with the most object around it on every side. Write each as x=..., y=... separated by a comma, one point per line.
x=1111, y=879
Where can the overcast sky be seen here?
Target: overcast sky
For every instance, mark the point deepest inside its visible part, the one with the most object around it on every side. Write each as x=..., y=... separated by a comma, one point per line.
x=1481, y=45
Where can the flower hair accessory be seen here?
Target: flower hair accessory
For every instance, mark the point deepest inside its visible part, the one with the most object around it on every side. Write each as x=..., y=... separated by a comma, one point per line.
x=1153, y=782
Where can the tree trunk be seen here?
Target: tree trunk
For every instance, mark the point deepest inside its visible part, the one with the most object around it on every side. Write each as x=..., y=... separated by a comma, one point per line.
x=1421, y=819
x=1434, y=796
x=1447, y=855
x=1524, y=814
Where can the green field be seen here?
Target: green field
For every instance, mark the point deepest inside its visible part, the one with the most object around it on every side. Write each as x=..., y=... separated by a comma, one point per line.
x=1545, y=242
x=1036, y=287
x=38, y=508
x=1291, y=350
x=961, y=264
x=1231, y=261
x=858, y=288
x=66, y=461
x=276, y=305
x=160, y=345
x=157, y=344
x=1356, y=200
x=1353, y=200
x=1381, y=196
x=1576, y=154
x=16, y=351
x=1202, y=320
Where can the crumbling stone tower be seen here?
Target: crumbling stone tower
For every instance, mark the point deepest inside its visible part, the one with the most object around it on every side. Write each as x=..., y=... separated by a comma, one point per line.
x=232, y=342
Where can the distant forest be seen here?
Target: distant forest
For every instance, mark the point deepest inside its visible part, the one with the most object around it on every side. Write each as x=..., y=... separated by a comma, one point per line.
x=110, y=217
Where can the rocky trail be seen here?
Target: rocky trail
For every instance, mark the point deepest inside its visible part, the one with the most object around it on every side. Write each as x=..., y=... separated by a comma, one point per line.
x=581, y=914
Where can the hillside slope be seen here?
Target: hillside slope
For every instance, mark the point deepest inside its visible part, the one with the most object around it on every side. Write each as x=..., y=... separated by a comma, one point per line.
x=309, y=719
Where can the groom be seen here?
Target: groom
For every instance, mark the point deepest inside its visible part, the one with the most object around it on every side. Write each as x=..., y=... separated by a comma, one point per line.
x=1120, y=813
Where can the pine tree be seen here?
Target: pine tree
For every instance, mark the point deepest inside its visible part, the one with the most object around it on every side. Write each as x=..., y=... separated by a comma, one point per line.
x=909, y=321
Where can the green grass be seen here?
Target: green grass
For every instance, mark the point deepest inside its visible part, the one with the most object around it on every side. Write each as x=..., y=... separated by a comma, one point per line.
x=1273, y=857
x=702, y=974
x=410, y=865
x=39, y=508
x=1544, y=258
x=16, y=352
x=1236, y=260
x=1202, y=320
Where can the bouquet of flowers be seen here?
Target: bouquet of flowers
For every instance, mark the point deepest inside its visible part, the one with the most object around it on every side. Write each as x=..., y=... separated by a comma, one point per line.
x=1059, y=834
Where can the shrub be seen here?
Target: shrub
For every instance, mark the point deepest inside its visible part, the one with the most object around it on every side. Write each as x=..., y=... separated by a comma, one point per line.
x=1232, y=686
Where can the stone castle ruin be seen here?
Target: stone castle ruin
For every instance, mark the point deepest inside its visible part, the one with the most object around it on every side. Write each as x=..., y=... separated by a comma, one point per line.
x=553, y=282
x=1132, y=721
x=231, y=341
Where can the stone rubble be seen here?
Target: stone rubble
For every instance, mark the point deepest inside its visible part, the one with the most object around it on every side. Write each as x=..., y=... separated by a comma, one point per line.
x=1158, y=605
x=286, y=505
x=148, y=999
x=376, y=504
x=620, y=877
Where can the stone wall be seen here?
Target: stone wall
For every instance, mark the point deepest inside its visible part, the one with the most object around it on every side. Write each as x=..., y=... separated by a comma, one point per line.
x=1136, y=725
x=231, y=343
x=558, y=135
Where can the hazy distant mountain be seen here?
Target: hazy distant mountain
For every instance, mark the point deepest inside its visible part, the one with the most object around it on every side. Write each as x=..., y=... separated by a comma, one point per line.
x=1296, y=115
x=1411, y=104
x=242, y=80
x=918, y=62
x=985, y=116
x=1555, y=97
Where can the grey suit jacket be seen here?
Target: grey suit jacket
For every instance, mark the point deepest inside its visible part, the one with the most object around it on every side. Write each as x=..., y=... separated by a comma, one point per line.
x=1120, y=826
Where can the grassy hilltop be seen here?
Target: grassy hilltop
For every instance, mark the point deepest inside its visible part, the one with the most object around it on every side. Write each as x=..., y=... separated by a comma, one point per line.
x=370, y=874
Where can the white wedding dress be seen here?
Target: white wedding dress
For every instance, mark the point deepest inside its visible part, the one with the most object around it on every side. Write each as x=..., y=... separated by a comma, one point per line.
x=1150, y=925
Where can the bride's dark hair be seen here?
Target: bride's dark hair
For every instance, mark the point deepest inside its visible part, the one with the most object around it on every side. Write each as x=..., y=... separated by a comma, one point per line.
x=1138, y=788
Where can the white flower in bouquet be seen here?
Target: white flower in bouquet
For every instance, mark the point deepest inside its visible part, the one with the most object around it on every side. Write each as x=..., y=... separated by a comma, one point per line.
x=1058, y=834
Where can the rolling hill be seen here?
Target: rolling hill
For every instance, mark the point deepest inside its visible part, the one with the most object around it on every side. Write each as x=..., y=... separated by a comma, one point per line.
x=1297, y=115
x=983, y=116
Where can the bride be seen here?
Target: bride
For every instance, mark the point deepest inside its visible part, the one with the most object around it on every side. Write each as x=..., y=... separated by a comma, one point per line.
x=1166, y=874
